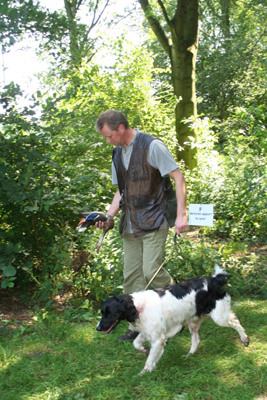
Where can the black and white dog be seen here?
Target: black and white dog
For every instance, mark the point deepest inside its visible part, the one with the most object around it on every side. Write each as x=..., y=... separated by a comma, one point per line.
x=160, y=314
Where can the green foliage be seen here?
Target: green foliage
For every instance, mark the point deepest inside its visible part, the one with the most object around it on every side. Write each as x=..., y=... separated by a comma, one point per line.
x=247, y=128
x=57, y=166
x=197, y=255
x=89, y=275
x=19, y=17
x=232, y=160
x=53, y=164
x=235, y=183
x=230, y=67
x=35, y=194
x=231, y=78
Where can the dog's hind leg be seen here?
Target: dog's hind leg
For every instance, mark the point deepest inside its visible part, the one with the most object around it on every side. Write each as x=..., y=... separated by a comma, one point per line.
x=194, y=327
x=222, y=315
x=156, y=351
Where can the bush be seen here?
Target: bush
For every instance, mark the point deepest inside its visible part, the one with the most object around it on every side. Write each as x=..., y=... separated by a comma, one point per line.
x=235, y=183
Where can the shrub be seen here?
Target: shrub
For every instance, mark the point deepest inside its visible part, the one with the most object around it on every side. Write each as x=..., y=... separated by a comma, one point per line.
x=235, y=183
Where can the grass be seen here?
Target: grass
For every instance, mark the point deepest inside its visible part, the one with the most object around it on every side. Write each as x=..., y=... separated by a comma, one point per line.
x=59, y=360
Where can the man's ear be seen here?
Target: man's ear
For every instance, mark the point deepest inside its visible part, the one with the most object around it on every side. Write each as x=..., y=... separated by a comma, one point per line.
x=121, y=128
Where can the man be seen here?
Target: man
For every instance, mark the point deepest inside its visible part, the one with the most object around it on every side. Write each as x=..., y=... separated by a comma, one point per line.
x=139, y=163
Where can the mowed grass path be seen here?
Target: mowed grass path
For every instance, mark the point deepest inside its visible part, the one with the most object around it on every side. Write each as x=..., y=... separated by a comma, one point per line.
x=58, y=360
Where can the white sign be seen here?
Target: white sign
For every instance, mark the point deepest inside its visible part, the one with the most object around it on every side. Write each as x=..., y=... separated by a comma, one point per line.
x=201, y=214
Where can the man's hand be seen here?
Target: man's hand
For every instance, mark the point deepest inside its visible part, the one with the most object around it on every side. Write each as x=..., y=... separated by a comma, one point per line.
x=181, y=224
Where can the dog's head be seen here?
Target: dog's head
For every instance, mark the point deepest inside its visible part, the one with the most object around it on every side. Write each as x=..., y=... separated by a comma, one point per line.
x=114, y=310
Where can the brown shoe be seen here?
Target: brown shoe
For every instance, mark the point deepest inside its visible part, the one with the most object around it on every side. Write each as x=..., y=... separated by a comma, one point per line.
x=129, y=335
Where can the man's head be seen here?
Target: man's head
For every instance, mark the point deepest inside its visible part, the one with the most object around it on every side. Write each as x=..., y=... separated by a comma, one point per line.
x=112, y=119
x=112, y=125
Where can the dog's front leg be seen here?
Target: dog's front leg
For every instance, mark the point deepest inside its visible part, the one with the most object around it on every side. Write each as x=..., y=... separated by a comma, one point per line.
x=231, y=320
x=138, y=344
x=235, y=324
x=156, y=351
x=222, y=315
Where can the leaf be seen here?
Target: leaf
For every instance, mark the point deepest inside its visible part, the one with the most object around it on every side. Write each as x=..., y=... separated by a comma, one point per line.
x=4, y=284
x=2, y=264
x=48, y=204
x=6, y=185
x=8, y=283
x=32, y=208
x=87, y=317
x=9, y=271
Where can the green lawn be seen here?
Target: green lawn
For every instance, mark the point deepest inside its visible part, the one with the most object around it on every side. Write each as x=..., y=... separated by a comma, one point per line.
x=59, y=360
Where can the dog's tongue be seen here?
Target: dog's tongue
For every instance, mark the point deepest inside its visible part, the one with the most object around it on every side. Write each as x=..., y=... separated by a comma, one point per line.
x=109, y=329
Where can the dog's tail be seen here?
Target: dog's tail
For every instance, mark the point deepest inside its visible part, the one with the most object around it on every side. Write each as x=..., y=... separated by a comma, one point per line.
x=220, y=276
x=219, y=270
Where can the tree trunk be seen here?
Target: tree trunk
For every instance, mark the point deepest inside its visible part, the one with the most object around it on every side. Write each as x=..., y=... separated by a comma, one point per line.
x=183, y=60
x=181, y=47
x=71, y=10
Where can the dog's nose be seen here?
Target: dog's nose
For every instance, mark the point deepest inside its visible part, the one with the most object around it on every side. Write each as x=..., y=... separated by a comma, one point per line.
x=98, y=327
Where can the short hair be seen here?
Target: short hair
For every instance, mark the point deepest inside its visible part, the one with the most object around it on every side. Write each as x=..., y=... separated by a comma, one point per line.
x=113, y=119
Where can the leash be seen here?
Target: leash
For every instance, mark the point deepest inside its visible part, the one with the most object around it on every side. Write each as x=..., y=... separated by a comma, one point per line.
x=175, y=245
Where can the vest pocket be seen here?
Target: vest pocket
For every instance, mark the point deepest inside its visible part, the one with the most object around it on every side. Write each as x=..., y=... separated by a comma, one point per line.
x=147, y=213
x=139, y=172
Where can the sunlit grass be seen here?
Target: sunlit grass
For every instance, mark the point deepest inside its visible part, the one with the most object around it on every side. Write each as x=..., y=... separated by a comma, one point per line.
x=68, y=361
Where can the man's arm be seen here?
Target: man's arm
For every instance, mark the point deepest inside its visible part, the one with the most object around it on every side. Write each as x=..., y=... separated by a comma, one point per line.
x=115, y=205
x=113, y=209
x=181, y=222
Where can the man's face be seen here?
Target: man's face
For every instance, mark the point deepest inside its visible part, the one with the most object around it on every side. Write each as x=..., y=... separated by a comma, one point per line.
x=114, y=137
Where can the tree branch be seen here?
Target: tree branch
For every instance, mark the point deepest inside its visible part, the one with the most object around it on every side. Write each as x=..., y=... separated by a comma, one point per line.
x=155, y=26
x=94, y=19
x=164, y=12
x=69, y=8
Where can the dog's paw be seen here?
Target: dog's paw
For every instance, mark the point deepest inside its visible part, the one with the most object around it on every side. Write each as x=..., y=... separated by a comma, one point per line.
x=190, y=354
x=142, y=372
x=246, y=341
x=147, y=368
x=145, y=350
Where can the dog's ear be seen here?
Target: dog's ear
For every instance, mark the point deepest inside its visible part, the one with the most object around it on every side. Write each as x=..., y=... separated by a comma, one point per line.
x=118, y=303
x=128, y=308
x=122, y=302
x=132, y=313
x=119, y=299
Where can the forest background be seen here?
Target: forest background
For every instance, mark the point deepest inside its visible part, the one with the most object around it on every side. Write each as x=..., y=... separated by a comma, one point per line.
x=54, y=165
x=130, y=56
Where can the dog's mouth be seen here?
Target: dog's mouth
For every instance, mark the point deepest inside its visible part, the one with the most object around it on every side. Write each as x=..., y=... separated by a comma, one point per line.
x=113, y=326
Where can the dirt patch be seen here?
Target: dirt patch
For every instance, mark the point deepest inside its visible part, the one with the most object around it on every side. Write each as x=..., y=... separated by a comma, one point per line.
x=259, y=250
x=12, y=308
